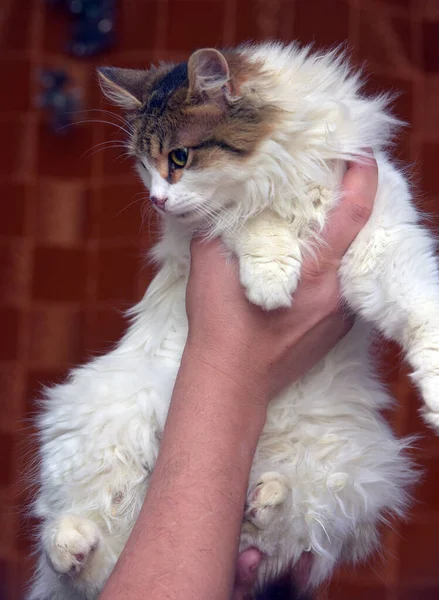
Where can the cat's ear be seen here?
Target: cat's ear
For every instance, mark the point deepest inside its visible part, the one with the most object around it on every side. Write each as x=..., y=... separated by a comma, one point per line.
x=124, y=87
x=208, y=74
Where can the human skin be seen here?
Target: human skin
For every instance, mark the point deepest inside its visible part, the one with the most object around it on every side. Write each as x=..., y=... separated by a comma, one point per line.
x=237, y=357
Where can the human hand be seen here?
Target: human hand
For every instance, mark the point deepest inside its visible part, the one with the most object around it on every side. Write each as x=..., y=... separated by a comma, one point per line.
x=265, y=351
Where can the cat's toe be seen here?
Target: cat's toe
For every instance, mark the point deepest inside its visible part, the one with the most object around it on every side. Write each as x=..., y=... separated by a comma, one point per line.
x=73, y=540
x=267, y=285
x=266, y=498
x=269, y=297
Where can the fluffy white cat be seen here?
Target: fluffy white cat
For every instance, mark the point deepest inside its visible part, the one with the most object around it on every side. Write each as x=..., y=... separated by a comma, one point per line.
x=250, y=144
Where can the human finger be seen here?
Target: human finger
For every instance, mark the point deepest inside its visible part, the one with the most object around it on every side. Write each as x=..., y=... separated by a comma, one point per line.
x=359, y=189
x=246, y=572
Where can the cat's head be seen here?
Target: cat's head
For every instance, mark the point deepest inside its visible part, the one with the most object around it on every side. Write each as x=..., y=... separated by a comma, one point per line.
x=194, y=129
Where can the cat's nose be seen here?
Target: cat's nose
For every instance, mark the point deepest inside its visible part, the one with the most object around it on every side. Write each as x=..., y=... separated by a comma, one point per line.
x=159, y=202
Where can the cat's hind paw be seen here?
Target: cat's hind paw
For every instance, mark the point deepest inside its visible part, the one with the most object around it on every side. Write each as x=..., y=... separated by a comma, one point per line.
x=265, y=499
x=71, y=542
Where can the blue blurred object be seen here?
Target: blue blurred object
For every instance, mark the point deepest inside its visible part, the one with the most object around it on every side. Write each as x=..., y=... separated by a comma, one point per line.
x=93, y=25
x=59, y=103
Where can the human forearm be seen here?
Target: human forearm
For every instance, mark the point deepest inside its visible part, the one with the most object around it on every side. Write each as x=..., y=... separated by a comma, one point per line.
x=184, y=544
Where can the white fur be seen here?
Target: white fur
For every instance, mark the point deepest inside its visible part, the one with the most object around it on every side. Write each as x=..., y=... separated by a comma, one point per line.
x=327, y=469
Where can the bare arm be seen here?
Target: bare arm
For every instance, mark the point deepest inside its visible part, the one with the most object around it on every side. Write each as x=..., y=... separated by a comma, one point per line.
x=185, y=542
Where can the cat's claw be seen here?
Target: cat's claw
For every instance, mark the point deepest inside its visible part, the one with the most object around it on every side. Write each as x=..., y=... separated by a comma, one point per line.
x=265, y=498
x=73, y=540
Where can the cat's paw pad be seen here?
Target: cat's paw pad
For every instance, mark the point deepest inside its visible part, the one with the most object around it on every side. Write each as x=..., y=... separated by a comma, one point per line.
x=269, y=285
x=72, y=542
x=265, y=498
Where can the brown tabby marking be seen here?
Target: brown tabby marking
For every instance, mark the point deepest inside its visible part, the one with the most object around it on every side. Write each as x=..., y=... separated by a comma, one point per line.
x=173, y=116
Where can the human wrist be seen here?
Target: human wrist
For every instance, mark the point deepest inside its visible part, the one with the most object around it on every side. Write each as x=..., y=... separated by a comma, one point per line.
x=235, y=373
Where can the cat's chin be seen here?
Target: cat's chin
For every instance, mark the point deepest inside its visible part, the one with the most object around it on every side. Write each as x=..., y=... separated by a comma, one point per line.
x=189, y=214
x=190, y=218
x=183, y=215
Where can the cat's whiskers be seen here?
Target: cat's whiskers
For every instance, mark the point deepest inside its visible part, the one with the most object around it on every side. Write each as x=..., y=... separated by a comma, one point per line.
x=222, y=220
x=211, y=214
x=103, y=146
x=124, y=155
x=121, y=120
x=134, y=200
x=86, y=121
x=148, y=211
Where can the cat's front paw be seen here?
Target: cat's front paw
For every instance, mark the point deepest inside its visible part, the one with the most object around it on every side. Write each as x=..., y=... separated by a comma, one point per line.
x=72, y=541
x=265, y=499
x=269, y=285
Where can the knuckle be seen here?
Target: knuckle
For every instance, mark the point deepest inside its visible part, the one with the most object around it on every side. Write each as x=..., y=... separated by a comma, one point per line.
x=315, y=272
x=313, y=275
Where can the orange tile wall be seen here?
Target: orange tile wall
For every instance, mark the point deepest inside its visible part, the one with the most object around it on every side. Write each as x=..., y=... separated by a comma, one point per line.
x=71, y=236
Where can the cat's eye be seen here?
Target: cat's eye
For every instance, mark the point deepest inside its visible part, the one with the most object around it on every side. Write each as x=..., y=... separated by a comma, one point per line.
x=179, y=157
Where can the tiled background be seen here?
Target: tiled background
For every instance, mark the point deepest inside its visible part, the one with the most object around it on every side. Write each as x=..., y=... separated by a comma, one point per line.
x=71, y=237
